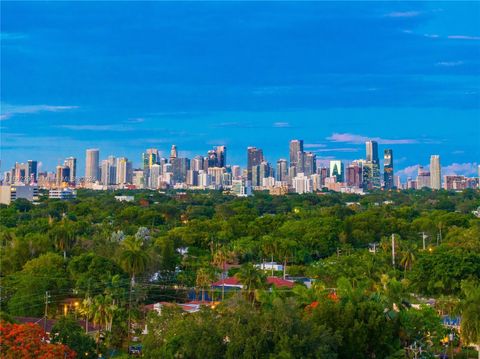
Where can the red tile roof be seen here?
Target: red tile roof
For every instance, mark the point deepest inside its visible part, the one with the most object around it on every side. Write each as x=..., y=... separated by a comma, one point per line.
x=234, y=282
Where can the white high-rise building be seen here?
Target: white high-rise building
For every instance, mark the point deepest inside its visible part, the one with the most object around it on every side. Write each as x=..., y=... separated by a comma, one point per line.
x=155, y=173
x=302, y=183
x=124, y=171
x=92, y=165
x=435, y=172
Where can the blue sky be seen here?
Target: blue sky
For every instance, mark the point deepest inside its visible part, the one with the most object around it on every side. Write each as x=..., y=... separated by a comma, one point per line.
x=125, y=76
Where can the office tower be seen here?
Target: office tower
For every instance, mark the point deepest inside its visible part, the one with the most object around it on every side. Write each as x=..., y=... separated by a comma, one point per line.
x=71, y=162
x=372, y=151
x=316, y=181
x=216, y=175
x=107, y=172
x=254, y=158
x=197, y=163
x=302, y=184
x=62, y=176
x=192, y=177
x=423, y=178
x=92, y=165
x=353, y=174
x=124, y=171
x=173, y=152
x=150, y=157
x=296, y=150
x=397, y=182
x=336, y=170
x=180, y=166
x=211, y=159
x=324, y=173
x=371, y=167
x=221, y=152
x=154, y=179
x=435, y=172
x=309, y=163
x=265, y=171
x=236, y=172
x=138, y=179
x=32, y=171
x=282, y=170
x=388, y=169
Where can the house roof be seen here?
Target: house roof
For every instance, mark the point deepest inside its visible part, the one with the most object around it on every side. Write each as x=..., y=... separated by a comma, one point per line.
x=234, y=282
x=51, y=322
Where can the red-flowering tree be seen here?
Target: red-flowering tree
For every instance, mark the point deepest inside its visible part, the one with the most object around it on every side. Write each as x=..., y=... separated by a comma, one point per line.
x=28, y=341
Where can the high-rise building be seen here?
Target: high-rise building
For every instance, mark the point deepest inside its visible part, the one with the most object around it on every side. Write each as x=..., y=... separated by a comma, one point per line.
x=150, y=157
x=155, y=172
x=62, y=176
x=108, y=171
x=173, y=152
x=372, y=151
x=124, y=171
x=423, y=178
x=236, y=172
x=435, y=172
x=296, y=156
x=71, y=162
x=353, y=174
x=388, y=169
x=180, y=166
x=254, y=158
x=282, y=170
x=221, y=152
x=336, y=170
x=92, y=165
x=309, y=163
x=32, y=171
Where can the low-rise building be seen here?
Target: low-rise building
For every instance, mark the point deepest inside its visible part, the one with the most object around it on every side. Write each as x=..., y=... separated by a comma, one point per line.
x=10, y=193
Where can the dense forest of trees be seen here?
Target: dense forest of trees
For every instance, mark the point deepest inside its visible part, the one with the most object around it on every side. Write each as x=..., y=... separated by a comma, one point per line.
x=115, y=257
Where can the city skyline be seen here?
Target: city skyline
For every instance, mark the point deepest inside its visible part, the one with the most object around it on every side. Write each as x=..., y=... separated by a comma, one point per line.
x=404, y=74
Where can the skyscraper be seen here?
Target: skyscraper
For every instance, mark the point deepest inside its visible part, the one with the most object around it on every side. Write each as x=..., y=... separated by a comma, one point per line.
x=435, y=172
x=388, y=169
x=173, y=152
x=150, y=157
x=254, y=158
x=92, y=165
x=31, y=171
x=124, y=171
x=71, y=162
x=371, y=167
x=336, y=170
x=221, y=152
x=372, y=151
x=309, y=163
x=296, y=151
x=282, y=170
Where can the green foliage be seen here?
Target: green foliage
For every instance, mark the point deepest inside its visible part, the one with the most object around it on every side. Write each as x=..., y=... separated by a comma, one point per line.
x=67, y=331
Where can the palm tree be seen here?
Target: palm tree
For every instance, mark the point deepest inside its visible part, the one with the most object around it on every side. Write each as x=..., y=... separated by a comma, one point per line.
x=134, y=259
x=252, y=280
x=408, y=257
x=269, y=246
x=203, y=280
x=220, y=259
x=470, y=311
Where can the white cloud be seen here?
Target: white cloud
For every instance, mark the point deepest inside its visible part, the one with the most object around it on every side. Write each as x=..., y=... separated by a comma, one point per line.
x=115, y=128
x=463, y=37
x=281, y=124
x=8, y=111
x=465, y=169
x=449, y=63
x=10, y=36
x=359, y=139
x=403, y=14
x=314, y=145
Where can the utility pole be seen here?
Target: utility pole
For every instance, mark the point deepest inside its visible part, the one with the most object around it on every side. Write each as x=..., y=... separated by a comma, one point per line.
x=393, y=249
x=424, y=236
x=47, y=296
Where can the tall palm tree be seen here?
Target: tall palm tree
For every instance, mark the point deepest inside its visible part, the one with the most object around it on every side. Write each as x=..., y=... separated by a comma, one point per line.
x=134, y=258
x=470, y=311
x=220, y=259
x=203, y=280
x=252, y=280
x=408, y=257
x=269, y=247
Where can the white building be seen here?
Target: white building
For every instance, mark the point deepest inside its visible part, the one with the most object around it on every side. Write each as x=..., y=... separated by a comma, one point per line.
x=10, y=193
x=62, y=193
x=301, y=184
